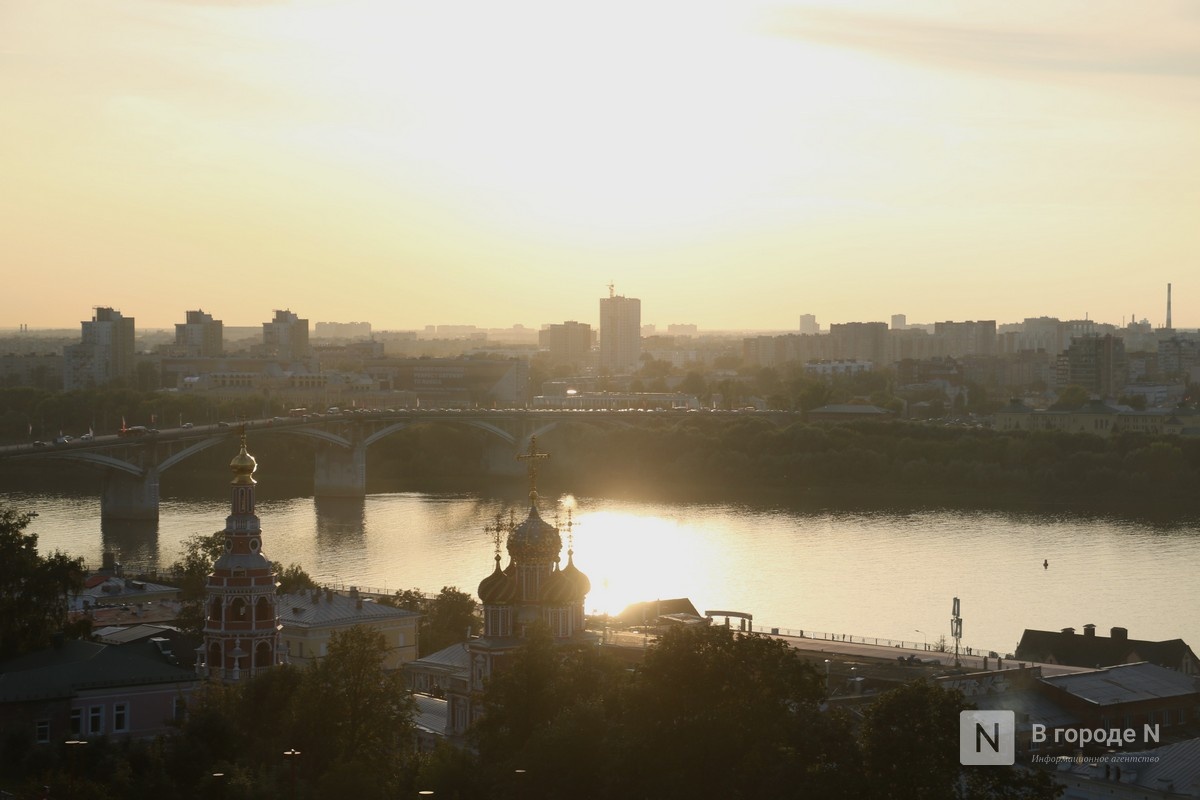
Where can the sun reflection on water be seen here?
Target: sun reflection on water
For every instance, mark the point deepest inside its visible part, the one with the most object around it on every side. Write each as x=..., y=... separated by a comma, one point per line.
x=632, y=558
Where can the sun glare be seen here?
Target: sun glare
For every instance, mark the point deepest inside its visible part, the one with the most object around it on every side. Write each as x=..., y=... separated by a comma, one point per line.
x=631, y=558
x=601, y=122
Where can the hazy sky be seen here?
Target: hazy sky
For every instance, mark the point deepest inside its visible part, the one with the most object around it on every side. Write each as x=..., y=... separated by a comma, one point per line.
x=733, y=164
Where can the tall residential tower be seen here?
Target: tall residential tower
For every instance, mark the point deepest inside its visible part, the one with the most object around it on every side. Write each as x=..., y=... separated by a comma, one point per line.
x=105, y=355
x=620, y=333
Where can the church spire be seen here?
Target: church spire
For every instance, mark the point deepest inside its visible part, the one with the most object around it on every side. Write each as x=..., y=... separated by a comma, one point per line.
x=533, y=456
x=241, y=622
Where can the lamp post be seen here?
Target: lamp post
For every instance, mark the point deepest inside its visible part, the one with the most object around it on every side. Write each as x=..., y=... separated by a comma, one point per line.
x=827, y=665
x=73, y=746
x=923, y=637
x=291, y=755
x=519, y=776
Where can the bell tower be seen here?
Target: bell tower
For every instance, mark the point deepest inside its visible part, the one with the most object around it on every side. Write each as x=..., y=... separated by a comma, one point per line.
x=241, y=621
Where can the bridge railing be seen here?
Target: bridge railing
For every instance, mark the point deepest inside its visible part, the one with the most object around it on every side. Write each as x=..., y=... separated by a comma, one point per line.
x=879, y=641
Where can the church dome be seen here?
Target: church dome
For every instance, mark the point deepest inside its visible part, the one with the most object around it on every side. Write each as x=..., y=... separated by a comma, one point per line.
x=243, y=465
x=578, y=581
x=497, y=589
x=556, y=590
x=534, y=540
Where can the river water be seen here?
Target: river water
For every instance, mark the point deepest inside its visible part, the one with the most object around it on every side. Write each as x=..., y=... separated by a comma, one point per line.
x=885, y=574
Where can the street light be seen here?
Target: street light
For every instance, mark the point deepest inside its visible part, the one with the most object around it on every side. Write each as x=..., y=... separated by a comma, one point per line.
x=291, y=755
x=73, y=747
x=923, y=637
x=827, y=664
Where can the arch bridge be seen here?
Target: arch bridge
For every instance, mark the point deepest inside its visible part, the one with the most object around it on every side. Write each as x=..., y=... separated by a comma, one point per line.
x=131, y=466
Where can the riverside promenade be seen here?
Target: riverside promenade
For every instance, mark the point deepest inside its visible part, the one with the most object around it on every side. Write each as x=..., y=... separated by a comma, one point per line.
x=854, y=647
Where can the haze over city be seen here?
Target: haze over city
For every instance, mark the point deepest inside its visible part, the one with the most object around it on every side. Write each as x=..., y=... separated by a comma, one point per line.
x=733, y=164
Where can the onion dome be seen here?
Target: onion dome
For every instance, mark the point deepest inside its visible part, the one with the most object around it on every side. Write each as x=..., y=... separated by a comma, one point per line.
x=578, y=581
x=243, y=465
x=556, y=590
x=497, y=589
x=534, y=541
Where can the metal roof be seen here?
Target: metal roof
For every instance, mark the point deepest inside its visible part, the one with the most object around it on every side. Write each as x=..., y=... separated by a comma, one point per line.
x=301, y=610
x=431, y=714
x=78, y=665
x=1127, y=683
x=1173, y=768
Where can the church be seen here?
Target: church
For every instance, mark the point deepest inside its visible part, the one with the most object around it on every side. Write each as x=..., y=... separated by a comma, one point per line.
x=532, y=587
x=241, y=619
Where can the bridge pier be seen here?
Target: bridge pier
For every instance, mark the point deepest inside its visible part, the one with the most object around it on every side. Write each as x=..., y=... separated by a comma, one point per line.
x=126, y=496
x=340, y=472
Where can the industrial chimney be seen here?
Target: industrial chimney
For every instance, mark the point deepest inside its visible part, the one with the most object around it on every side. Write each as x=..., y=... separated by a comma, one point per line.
x=1169, y=307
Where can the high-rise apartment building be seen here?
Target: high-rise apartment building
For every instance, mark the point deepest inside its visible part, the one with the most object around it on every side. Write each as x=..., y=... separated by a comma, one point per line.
x=105, y=355
x=620, y=333
x=569, y=343
x=286, y=336
x=899, y=322
x=808, y=325
x=861, y=341
x=201, y=336
x=1097, y=363
x=968, y=338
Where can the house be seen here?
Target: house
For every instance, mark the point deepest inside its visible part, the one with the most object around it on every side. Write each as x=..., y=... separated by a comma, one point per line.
x=1128, y=696
x=1122, y=697
x=81, y=690
x=108, y=587
x=1089, y=650
x=444, y=676
x=309, y=620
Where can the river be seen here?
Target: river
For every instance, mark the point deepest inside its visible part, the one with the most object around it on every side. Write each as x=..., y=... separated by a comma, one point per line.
x=884, y=574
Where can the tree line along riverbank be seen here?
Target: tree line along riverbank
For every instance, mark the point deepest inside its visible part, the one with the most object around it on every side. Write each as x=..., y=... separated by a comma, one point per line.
x=854, y=465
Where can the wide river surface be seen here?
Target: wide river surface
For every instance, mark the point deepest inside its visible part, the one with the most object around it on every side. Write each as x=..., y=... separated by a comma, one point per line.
x=876, y=574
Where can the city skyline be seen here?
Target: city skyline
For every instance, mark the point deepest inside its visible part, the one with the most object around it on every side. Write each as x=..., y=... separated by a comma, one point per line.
x=734, y=165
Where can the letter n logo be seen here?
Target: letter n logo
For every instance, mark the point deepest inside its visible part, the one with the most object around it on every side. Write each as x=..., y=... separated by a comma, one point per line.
x=987, y=737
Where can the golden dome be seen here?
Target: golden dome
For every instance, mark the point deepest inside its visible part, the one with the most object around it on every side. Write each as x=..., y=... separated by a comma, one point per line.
x=243, y=465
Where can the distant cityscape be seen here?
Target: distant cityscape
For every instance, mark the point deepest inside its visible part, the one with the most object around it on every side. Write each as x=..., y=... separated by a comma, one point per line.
x=1133, y=365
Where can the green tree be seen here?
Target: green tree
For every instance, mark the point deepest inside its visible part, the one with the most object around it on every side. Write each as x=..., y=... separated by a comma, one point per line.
x=34, y=590
x=447, y=618
x=714, y=713
x=356, y=716
x=450, y=617
x=693, y=383
x=292, y=578
x=909, y=741
x=191, y=571
x=544, y=714
x=1071, y=397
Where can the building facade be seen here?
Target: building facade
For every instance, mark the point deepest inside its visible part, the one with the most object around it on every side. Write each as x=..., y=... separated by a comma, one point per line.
x=104, y=356
x=620, y=333
x=201, y=336
x=569, y=343
x=286, y=336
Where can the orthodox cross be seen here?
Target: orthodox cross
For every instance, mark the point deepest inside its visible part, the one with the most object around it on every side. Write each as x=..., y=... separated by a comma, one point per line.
x=495, y=530
x=533, y=456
